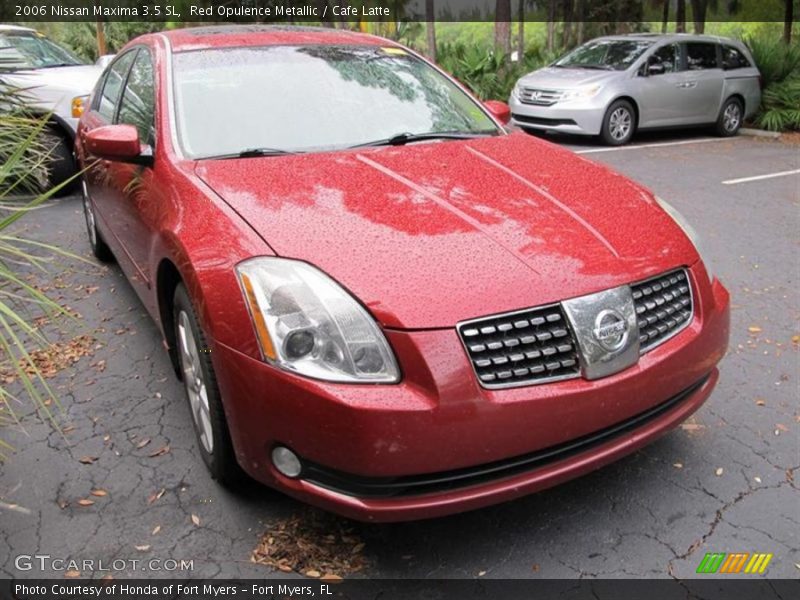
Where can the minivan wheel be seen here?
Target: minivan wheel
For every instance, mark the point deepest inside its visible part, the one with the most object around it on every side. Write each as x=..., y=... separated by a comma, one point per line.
x=619, y=123
x=202, y=392
x=730, y=118
x=99, y=247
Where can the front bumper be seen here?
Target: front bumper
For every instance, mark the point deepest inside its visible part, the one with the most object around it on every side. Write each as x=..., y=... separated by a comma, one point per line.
x=576, y=117
x=438, y=422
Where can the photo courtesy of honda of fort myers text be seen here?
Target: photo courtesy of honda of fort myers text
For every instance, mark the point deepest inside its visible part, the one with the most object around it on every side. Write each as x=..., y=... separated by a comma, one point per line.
x=474, y=298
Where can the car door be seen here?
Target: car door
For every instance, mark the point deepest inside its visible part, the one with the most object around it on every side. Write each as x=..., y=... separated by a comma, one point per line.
x=704, y=81
x=136, y=207
x=661, y=93
x=96, y=178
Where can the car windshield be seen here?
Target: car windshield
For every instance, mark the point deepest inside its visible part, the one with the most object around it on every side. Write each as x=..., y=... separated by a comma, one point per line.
x=33, y=51
x=616, y=55
x=313, y=98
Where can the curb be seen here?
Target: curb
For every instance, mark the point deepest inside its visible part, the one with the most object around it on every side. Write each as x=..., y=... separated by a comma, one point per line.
x=773, y=135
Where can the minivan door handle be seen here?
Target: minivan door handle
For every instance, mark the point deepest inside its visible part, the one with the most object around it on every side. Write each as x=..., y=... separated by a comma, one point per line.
x=687, y=84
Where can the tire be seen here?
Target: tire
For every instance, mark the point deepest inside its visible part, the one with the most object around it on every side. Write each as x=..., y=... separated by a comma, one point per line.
x=730, y=118
x=61, y=164
x=99, y=247
x=619, y=123
x=202, y=393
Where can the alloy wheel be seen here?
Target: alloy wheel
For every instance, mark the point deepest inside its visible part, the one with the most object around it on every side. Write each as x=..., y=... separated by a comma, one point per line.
x=620, y=123
x=194, y=381
x=731, y=117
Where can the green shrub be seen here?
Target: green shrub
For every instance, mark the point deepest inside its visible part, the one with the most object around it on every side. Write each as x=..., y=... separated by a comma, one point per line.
x=780, y=106
x=776, y=60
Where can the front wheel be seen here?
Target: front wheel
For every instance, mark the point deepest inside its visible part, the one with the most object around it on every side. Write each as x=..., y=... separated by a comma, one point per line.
x=202, y=393
x=618, y=124
x=61, y=164
x=730, y=118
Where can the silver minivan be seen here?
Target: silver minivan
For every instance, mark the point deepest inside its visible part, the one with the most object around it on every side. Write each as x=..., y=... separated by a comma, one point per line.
x=614, y=86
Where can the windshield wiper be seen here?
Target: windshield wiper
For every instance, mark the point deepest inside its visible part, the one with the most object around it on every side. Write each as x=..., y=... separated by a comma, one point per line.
x=598, y=67
x=404, y=138
x=253, y=153
x=55, y=65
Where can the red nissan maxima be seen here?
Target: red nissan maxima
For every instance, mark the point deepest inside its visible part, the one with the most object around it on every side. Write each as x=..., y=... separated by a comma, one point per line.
x=379, y=300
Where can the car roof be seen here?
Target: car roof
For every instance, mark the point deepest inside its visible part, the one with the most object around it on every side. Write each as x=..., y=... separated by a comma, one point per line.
x=228, y=36
x=5, y=27
x=672, y=37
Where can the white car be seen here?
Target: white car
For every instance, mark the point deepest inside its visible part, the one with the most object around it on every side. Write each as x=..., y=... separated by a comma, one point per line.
x=57, y=84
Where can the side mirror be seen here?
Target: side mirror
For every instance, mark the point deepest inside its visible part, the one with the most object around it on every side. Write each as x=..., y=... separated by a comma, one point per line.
x=119, y=143
x=655, y=69
x=499, y=110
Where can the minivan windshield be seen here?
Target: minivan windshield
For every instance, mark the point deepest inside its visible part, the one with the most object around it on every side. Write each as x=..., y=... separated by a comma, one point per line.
x=28, y=50
x=608, y=55
x=255, y=101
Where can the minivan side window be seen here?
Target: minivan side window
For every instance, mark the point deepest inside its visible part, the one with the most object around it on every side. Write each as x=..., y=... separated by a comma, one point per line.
x=732, y=58
x=668, y=57
x=138, y=100
x=701, y=55
x=107, y=102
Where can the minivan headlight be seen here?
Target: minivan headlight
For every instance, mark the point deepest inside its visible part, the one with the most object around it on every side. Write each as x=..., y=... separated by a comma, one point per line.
x=586, y=91
x=307, y=323
x=690, y=232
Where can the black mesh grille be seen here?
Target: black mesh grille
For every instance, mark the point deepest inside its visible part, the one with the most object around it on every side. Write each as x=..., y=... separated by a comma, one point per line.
x=663, y=307
x=531, y=346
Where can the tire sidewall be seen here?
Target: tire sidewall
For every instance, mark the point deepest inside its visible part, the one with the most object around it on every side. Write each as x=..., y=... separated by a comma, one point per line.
x=605, y=133
x=721, y=130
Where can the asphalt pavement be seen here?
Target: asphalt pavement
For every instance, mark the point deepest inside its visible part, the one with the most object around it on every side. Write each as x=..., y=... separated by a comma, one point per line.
x=725, y=481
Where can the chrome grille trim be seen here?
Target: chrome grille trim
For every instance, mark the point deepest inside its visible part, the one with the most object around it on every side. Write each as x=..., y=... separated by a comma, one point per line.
x=526, y=347
x=664, y=307
x=539, y=97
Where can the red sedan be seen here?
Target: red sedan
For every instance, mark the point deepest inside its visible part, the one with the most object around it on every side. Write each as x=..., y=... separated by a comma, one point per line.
x=379, y=300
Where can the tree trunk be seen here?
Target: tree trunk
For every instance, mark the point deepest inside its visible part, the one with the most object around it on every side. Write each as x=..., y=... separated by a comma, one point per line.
x=580, y=16
x=665, y=16
x=430, y=29
x=551, y=25
x=521, y=32
x=788, y=18
x=699, y=14
x=102, y=48
x=680, y=17
x=502, y=26
x=569, y=24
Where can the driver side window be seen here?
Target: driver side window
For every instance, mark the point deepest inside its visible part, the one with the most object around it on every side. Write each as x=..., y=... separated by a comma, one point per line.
x=667, y=57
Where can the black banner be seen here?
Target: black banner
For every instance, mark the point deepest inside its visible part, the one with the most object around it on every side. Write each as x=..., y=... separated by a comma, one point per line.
x=740, y=588
x=266, y=11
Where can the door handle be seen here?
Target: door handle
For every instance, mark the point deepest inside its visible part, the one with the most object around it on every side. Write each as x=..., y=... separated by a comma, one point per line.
x=687, y=84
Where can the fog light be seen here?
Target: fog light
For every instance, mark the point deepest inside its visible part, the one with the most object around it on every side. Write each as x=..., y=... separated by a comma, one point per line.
x=286, y=461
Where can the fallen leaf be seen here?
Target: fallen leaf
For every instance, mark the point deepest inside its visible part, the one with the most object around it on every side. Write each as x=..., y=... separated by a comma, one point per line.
x=143, y=547
x=330, y=577
x=62, y=504
x=719, y=472
x=160, y=452
x=796, y=340
x=285, y=568
x=757, y=479
x=754, y=329
x=313, y=573
x=760, y=402
x=72, y=574
x=677, y=465
x=87, y=460
x=535, y=568
x=68, y=428
x=196, y=520
x=781, y=426
x=481, y=573
x=142, y=443
x=156, y=529
x=156, y=495
x=85, y=502
x=99, y=493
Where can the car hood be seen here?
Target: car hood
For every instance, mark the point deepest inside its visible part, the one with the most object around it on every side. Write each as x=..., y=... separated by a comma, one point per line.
x=564, y=79
x=430, y=234
x=50, y=86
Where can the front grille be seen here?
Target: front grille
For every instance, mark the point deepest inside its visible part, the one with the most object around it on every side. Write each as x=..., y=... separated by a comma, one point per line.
x=663, y=307
x=530, y=346
x=415, y=485
x=539, y=97
x=542, y=120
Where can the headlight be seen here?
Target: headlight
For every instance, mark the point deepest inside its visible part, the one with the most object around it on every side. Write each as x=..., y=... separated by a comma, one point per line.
x=690, y=233
x=586, y=91
x=307, y=323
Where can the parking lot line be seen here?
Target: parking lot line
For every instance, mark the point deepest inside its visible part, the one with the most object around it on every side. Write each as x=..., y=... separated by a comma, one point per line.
x=760, y=177
x=660, y=145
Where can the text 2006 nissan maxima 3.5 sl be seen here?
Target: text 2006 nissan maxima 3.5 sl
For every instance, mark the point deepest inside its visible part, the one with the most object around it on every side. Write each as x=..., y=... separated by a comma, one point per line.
x=380, y=301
